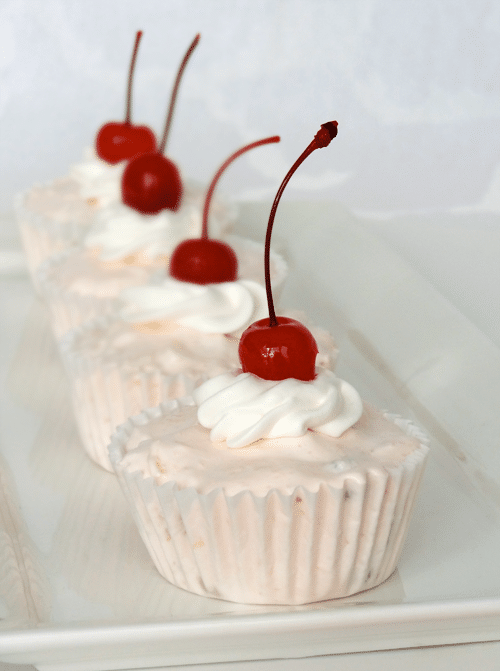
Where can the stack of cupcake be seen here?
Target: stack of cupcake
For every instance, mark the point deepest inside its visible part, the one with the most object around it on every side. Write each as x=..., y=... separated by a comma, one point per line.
x=253, y=472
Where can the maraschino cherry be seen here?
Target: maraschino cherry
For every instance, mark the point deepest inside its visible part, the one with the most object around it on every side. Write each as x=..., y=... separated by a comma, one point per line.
x=118, y=141
x=204, y=260
x=279, y=347
x=151, y=182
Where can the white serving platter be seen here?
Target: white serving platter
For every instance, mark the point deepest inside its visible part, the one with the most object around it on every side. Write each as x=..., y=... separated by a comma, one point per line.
x=79, y=592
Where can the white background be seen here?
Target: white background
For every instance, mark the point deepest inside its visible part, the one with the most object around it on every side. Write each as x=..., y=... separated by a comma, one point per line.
x=415, y=86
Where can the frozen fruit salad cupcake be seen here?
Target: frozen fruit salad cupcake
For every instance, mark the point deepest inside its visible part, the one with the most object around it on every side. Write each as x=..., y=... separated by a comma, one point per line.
x=117, y=366
x=275, y=483
x=247, y=496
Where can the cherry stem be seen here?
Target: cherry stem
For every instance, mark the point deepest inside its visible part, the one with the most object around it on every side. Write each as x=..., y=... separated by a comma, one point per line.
x=227, y=162
x=322, y=139
x=173, y=95
x=131, y=69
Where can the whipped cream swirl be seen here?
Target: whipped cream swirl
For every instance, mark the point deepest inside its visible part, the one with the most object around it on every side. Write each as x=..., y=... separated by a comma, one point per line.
x=97, y=179
x=228, y=307
x=241, y=408
x=119, y=231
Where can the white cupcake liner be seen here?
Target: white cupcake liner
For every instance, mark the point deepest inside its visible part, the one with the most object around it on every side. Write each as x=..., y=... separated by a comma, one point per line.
x=278, y=549
x=43, y=236
x=105, y=393
x=70, y=309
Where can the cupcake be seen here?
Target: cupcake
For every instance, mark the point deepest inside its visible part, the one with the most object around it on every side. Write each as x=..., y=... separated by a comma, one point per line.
x=117, y=367
x=259, y=516
x=274, y=483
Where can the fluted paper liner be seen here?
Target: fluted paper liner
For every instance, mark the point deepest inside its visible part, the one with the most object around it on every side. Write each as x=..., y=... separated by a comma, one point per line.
x=277, y=549
x=105, y=393
x=68, y=309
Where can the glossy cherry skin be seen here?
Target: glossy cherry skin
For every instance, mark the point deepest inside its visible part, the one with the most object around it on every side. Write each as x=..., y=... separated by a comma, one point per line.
x=203, y=261
x=151, y=183
x=278, y=352
x=119, y=141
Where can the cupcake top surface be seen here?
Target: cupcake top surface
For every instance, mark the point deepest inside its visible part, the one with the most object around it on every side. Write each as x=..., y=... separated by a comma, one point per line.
x=167, y=348
x=174, y=447
x=90, y=185
x=81, y=271
x=167, y=345
x=60, y=201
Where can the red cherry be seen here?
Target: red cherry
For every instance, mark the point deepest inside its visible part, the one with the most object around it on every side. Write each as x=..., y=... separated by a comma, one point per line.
x=279, y=348
x=286, y=350
x=151, y=182
x=117, y=141
x=203, y=260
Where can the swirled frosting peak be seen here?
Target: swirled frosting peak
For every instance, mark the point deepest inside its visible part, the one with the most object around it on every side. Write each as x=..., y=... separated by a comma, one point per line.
x=241, y=408
x=228, y=307
x=98, y=180
x=119, y=231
